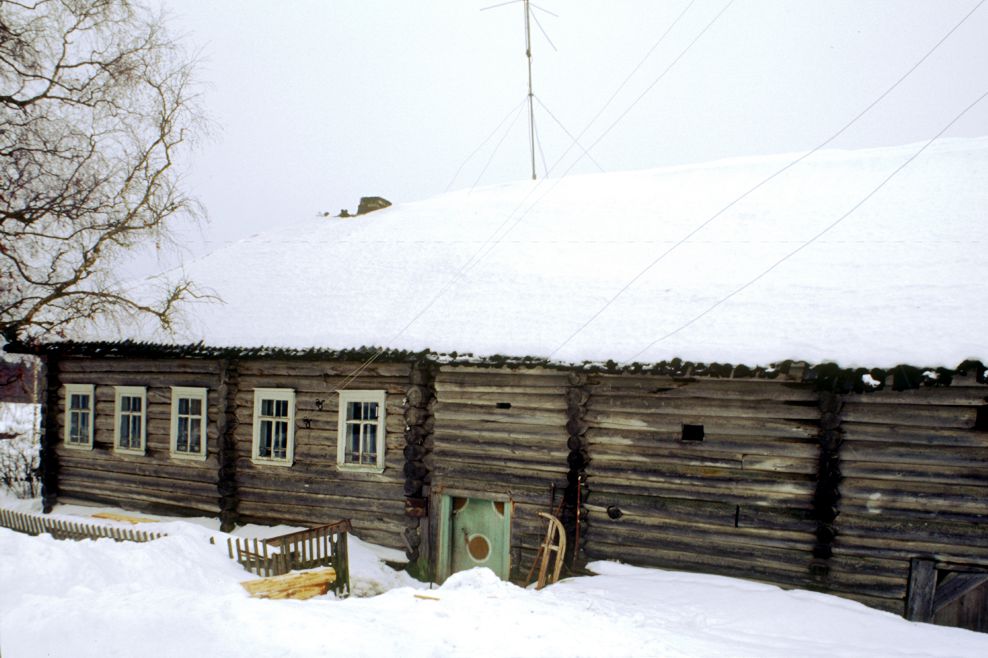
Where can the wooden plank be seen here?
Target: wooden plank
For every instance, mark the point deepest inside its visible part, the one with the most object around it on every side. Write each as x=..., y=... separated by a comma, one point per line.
x=695, y=407
x=956, y=585
x=713, y=425
x=922, y=585
x=961, y=417
x=929, y=456
x=940, y=395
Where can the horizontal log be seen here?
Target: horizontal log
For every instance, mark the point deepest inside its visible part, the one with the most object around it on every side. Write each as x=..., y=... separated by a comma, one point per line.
x=926, y=529
x=492, y=440
x=341, y=506
x=642, y=530
x=531, y=489
x=554, y=401
x=930, y=456
x=904, y=549
x=325, y=386
x=785, y=495
x=662, y=446
x=940, y=395
x=902, y=434
x=956, y=417
x=497, y=466
x=948, y=475
x=169, y=488
x=472, y=414
x=506, y=431
x=354, y=489
x=311, y=468
x=454, y=389
x=503, y=378
x=319, y=368
x=864, y=506
x=111, y=365
x=762, y=427
x=179, y=469
x=127, y=496
x=551, y=457
x=697, y=407
x=721, y=389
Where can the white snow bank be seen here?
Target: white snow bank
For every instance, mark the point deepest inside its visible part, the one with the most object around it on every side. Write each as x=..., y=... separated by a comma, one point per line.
x=179, y=596
x=900, y=280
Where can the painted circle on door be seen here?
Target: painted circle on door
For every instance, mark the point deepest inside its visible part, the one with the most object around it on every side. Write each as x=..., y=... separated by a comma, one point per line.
x=479, y=548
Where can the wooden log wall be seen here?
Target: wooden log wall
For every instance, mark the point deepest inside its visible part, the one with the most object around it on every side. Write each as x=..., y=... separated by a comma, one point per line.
x=733, y=494
x=315, y=490
x=153, y=482
x=420, y=401
x=501, y=431
x=914, y=468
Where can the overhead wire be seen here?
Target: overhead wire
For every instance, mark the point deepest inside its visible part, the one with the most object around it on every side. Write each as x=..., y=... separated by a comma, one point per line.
x=820, y=234
x=511, y=225
x=494, y=235
x=573, y=139
x=761, y=183
x=486, y=139
x=497, y=147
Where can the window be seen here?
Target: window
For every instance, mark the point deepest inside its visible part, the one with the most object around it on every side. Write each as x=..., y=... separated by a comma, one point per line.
x=361, y=438
x=130, y=419
x=80, y=405
x=274, y=426
x=188, y=433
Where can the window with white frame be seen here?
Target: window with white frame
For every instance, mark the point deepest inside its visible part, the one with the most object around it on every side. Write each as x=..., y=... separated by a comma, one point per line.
x=130, y=419
x=80, y=406
x=188, y=428
x=274, y=426
x=361, y=438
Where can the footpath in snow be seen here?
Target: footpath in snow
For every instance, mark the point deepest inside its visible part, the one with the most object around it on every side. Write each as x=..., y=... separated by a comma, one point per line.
x=180, y=596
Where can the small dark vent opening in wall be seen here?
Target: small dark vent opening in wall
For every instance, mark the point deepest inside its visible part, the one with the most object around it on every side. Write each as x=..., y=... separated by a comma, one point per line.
x=981, y=422
x=693, y=433
x=503, y=405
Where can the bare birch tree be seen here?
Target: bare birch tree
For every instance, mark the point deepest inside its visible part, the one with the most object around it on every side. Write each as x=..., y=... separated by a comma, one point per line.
x=96, y=101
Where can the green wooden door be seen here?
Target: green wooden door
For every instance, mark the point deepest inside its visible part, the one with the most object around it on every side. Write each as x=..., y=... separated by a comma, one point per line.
x=479, y=535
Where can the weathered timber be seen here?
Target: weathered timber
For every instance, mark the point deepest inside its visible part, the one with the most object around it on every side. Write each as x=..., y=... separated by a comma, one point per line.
x=961, y=417
x=922, y=585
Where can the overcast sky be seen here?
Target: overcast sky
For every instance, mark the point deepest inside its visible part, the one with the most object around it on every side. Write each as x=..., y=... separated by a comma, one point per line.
x=317, y=103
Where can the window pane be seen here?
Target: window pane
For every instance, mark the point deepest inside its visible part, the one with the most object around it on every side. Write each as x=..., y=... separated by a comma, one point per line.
x=135, y=431
x=281, y=408
x=352, y=452
x=75, y=433
x=124, y=431
x=78, y=401
x=264, y=440
x=370, y=441
x=182, y=435
x=183, y=406
x=267, y=407
x=196, y=407
x=370, y=411
x=195, y=436
x=280, y=439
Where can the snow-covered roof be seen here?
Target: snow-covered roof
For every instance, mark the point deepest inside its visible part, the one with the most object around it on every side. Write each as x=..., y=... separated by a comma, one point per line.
x=902, y=279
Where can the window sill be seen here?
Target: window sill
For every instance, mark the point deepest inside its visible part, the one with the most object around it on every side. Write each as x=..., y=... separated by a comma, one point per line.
x=188, y=457
x=261, y=461
x=361, y=468
x=78, y=446
x=137, y=452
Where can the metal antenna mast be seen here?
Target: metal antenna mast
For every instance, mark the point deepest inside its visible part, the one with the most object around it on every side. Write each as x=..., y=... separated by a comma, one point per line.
x=531, y=96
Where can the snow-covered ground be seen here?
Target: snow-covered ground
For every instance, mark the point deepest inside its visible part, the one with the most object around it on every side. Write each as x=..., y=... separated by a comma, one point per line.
x=19, y=448
x=179, y=596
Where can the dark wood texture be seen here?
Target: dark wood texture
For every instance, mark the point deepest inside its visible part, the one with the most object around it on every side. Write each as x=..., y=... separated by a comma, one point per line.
x=502, y=432
x=155, y=480
x=315, y=490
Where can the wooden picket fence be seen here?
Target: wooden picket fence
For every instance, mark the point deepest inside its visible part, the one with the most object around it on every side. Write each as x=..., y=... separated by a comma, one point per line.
x=33, y=524
x=320, y=546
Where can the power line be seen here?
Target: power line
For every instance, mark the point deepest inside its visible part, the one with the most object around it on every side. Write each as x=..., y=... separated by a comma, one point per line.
x=758, y=185
x=497, y=146
x=818, y=235
x=522, y=216
x=481, y=145
x=493, y=236
x=573, y=139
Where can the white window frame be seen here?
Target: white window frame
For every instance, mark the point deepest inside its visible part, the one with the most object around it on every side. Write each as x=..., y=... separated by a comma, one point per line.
x=120, y=392
x=378, y=396
x=79, y=389
x=190, y=393
x=276, y=394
